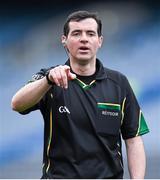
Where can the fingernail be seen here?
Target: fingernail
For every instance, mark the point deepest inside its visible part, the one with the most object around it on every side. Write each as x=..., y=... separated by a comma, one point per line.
x=74, y=76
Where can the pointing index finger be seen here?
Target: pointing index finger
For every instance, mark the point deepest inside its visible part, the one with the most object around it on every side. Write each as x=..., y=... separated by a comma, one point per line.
x=70, y=75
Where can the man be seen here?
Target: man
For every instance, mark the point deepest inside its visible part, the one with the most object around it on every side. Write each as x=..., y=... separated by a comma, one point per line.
x=86, y=108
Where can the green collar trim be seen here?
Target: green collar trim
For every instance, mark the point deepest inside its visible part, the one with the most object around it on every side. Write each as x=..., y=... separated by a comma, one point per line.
x=83, y=85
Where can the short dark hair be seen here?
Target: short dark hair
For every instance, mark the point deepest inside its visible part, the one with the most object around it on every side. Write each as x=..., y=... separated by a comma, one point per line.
x=80, y=15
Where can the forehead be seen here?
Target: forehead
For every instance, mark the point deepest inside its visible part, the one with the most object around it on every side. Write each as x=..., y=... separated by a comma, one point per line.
x=85, y=24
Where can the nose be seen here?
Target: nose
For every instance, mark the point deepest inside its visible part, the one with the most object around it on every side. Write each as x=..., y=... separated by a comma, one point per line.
x=84, y=38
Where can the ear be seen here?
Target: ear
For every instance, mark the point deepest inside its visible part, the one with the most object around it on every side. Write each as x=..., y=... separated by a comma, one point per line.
x=100, y=41
x=63, y=40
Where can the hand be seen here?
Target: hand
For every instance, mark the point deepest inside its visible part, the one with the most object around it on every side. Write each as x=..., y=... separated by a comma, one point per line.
x=60, y=76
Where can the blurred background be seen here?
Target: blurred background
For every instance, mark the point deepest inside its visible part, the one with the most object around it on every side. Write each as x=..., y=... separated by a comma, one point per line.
x=30, y=40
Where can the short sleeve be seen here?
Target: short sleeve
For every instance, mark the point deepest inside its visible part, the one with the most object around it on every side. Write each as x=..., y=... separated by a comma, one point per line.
x=133, y=121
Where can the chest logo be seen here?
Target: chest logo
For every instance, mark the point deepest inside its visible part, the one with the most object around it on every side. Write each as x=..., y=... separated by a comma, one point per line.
x=64, y=109
x=109, y=113
x=109, y=109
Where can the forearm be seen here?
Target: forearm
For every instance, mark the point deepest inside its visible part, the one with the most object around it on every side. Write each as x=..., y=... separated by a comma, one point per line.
x=136, y=158
x=32, y=93
x=29, y=95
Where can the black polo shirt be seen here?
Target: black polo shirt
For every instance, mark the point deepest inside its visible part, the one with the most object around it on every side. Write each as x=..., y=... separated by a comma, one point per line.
x=84, y=123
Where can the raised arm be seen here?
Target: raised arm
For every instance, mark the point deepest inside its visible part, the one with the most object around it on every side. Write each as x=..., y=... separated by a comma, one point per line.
x=29, y=95
x=32, y=93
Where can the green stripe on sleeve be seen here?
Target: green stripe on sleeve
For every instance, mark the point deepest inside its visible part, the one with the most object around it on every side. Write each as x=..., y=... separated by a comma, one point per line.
x=143, y=128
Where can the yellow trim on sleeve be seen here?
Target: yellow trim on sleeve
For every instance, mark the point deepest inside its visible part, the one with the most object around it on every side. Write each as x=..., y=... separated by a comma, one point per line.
x=123, y=104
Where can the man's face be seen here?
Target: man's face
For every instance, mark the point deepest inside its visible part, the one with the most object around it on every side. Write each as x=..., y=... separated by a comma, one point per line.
x=83, y=40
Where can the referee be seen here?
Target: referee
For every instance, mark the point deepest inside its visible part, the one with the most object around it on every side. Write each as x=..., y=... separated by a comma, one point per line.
x=87, y=110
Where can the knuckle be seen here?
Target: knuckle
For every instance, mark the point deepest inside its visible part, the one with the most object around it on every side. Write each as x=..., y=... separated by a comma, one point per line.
x=54, y=78
x=59, y=78
x=64, y=76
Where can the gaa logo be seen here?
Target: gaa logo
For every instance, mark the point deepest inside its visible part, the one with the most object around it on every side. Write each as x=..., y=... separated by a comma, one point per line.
x=64, y=109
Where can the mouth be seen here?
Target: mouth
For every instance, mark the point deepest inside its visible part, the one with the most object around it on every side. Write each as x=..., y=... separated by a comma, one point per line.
x=83, y=49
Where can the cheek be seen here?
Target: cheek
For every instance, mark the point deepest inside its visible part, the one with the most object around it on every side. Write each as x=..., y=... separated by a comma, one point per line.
x=72, y=45
x=96, y=44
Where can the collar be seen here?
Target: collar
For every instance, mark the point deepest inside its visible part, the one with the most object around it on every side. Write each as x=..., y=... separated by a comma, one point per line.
x=100, y=71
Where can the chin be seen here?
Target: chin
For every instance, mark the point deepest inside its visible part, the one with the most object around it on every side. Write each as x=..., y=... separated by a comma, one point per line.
x=84, y=58
x=84, y=61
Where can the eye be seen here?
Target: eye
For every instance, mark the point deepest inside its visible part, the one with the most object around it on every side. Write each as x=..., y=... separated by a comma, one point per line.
x=91, y=34
x=76, y=34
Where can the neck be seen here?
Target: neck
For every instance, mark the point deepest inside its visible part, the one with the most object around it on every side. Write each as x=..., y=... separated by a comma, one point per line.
x=83, y=68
